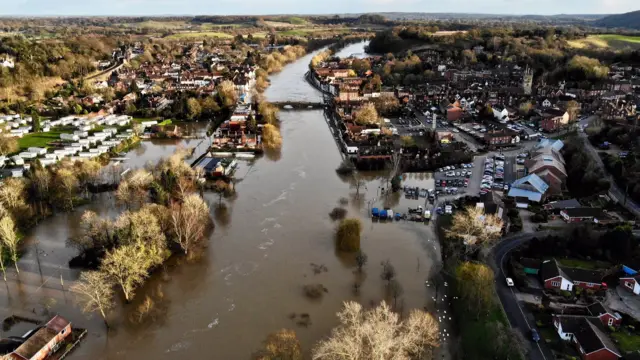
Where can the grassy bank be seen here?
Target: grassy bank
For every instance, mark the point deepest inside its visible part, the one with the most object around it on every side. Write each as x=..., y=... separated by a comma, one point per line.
x=40, y=139
x=606, y=41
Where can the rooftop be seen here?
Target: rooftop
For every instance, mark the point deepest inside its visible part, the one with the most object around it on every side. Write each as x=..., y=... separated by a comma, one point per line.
x=588, y=333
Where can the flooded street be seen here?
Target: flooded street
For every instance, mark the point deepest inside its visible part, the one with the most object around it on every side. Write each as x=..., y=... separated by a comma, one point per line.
x=270, y=240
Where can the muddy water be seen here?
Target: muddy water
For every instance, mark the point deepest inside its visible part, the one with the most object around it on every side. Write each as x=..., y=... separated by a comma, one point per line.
x=270, y=240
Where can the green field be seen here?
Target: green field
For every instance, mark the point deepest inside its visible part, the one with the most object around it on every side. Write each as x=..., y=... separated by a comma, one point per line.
x=38, y=139
x=626, y=342
x=199, y=35
x=604, y=41
x=307, y=31
x=206, y=26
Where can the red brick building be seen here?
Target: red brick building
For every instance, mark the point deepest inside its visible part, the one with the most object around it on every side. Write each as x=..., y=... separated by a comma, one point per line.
x=565, y=278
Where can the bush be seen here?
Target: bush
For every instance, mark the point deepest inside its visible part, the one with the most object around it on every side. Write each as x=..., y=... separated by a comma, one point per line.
x=338, y=213
x=348, y=235
x=539, y=217
x=314, y=291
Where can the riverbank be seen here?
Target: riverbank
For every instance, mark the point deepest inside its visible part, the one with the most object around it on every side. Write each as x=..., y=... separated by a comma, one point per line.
x=270, y=240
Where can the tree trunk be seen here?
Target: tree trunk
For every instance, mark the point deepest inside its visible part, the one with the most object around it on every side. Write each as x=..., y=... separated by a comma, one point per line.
x=15, y=262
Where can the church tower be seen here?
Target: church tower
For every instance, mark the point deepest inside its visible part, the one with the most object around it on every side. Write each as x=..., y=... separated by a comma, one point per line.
x=527, y=81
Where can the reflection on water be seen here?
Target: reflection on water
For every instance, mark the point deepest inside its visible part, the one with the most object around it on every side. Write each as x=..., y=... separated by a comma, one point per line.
x=251, y=274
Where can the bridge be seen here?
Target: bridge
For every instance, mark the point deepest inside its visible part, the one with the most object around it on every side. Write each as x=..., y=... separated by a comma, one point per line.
x=298, y=105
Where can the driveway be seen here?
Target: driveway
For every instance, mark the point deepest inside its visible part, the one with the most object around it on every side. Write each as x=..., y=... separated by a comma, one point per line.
x=518, y=317
x=621, y=300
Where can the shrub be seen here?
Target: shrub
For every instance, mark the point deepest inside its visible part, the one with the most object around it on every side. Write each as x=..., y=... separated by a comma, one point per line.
x=314, y=291
x=338, y=213
x=348, y=235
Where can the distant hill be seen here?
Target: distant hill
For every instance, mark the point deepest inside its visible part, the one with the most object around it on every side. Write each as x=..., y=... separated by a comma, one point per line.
x=629, y=20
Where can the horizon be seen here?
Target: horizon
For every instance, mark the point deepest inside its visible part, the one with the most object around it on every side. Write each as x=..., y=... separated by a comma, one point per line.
x=165, y=8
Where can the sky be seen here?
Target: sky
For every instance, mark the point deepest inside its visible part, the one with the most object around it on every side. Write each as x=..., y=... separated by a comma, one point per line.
x=264, y=7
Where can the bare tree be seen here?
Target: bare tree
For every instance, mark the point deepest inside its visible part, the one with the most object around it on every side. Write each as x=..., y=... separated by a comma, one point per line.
x=96, y=292
x=190, y=220
x=361, y=259
x=9, y=239
x=358, y=183
x=221, y=188
x=134, y=190
x=125, y=266
x=378, y=334
x=388, y=272
x=396, y=291
x=475, y=228
x=4, y=270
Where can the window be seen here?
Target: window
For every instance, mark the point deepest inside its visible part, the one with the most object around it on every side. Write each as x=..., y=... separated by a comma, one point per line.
x=628, y=284
x=610, y=322
x=555, y=283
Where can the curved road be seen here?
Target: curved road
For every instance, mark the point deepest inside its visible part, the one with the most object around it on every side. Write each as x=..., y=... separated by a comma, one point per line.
x=519, y=318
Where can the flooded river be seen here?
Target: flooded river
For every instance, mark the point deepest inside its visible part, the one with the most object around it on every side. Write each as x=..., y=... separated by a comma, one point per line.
x=270, y=240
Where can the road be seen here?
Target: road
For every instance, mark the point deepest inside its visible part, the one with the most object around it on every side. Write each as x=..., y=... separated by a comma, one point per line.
x=518, y=318
x=615, y=191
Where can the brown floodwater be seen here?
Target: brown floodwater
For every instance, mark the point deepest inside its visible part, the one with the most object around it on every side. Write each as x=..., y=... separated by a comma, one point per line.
x=271, y=239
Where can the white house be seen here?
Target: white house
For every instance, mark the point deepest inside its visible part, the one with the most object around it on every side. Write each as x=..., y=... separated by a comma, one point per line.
x=28, y=155
x=631, y=284
x=69, y=137
x=37, y=150
x=17, y=160
x=500, y=113
x=546, y=103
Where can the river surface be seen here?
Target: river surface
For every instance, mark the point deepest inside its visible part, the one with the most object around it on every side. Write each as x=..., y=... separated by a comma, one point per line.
x=270, y=240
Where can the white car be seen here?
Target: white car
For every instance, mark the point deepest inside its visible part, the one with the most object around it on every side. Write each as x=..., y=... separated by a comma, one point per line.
x=510, y=282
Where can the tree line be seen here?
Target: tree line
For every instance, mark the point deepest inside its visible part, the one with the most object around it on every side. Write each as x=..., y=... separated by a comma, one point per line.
x=164, y=214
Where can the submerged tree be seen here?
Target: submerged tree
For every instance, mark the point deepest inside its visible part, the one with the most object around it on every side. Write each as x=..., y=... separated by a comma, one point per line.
x=190, y=220
x=378, y=334
x=280, y=345
x=361, y=259
x=125, y=266
x=96, y=293
x=271, y=138
x=348, y=235
x=9, y=239
x=388, y=272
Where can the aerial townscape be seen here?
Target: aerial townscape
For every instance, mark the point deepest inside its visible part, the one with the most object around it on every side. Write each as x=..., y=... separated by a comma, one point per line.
x=388, y=181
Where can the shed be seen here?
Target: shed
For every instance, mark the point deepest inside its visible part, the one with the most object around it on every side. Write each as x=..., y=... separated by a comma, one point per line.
x=531, y=266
